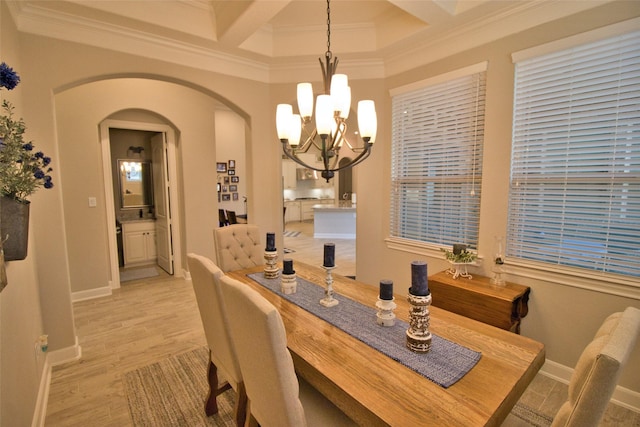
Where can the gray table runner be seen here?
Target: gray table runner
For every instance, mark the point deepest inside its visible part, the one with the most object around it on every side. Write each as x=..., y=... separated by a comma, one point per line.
x=444, y=364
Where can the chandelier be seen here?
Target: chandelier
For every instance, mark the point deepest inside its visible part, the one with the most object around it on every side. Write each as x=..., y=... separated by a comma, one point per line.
x=332, y=111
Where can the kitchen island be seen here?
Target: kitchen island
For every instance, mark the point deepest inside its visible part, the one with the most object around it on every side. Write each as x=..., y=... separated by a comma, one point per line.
x=334, y=222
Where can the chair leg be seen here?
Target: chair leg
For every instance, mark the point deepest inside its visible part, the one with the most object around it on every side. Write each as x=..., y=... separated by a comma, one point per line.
x=241, y=405
x=211, y=406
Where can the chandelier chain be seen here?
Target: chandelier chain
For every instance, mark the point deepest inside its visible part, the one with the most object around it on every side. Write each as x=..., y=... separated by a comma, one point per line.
x=328, y=30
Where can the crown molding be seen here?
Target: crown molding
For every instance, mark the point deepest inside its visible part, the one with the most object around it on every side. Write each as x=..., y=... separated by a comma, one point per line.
x=415, y=51
x=44, y=22
x=481, y=31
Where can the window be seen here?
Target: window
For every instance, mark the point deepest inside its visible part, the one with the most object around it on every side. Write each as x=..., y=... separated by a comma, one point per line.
x=438, y=129
x=575, y=173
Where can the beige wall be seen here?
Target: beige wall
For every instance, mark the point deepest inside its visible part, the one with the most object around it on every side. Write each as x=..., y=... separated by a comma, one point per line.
x=563, y=317
x=21, y=321
x=68, y=89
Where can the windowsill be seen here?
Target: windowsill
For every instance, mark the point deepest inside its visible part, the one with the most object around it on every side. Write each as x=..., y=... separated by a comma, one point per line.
x=627, y=287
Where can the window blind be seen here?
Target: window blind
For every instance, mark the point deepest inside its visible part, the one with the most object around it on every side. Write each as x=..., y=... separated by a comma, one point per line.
x=575, y=172
x=437, y=134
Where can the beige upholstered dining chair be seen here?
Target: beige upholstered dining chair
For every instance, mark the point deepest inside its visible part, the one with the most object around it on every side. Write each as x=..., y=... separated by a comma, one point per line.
x=596, y=374
x=205, y=276
x=276, y=397
x=238, y=246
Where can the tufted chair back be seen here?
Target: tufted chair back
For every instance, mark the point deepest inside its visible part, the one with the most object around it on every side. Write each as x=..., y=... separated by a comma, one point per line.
x=238, y=246
x=598, y=369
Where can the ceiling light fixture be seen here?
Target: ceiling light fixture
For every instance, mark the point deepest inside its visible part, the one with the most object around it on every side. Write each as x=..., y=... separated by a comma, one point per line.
x=332, y=111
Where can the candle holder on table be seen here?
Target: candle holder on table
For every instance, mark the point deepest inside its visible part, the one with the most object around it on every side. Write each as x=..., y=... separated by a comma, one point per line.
x=418, y=335
x=271, y=270
x=288, y=281
x=385, y=315
x=328, y=300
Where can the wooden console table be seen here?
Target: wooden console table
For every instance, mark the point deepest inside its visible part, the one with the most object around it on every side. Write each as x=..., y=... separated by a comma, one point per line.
x=476, y=298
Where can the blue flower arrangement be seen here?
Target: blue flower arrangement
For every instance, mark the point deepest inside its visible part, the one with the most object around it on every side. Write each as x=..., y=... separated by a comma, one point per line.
x=22, y=169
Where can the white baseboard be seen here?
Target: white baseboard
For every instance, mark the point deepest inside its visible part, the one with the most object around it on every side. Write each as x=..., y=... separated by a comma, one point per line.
x=91, y=294
x=40, y=411
x=53, y=358
x=622, y=396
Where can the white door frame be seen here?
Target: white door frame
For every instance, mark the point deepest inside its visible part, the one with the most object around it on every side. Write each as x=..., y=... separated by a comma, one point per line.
x=109, y=194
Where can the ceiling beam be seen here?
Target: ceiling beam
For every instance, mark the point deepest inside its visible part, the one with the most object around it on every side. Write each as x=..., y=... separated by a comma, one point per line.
x=243, y=19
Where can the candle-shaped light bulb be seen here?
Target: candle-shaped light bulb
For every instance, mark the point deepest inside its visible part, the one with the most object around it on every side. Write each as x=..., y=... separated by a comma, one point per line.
x=329, y=255
x=386, y=289
x=283, y=120
x=419, y=286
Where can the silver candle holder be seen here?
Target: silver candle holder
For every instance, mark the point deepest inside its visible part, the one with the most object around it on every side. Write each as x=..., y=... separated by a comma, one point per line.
x=328, y=300
x=418, y=335
x=271, y=270
x=385, y=315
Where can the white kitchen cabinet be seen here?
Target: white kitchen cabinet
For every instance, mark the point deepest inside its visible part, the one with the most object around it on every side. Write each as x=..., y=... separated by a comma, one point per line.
x=139, y=242
x=289, y=174
x=306, y=207
x=293, y=211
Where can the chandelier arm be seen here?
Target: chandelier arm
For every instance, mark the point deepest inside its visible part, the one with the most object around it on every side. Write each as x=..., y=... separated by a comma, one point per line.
x=289, y=153
x=359, y=159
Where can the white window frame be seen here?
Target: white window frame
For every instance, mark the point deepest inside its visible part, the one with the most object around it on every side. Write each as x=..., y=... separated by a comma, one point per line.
x=518, y=260
x=463, y=161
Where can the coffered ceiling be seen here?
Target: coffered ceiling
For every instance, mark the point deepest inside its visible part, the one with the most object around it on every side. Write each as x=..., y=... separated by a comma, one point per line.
x=271, y=40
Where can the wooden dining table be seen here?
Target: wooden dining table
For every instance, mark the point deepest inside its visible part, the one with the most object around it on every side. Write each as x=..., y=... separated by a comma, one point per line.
x=375, y=390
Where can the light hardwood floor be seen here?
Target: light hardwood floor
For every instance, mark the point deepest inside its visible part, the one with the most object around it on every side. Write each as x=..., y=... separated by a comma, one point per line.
x=151, y=319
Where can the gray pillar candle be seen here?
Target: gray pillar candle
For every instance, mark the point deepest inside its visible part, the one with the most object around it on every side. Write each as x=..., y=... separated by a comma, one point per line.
x=386, y=289
x=419, y=286
x=329, y=255
x=458, y=248
x=288, y=266
x=271, y=242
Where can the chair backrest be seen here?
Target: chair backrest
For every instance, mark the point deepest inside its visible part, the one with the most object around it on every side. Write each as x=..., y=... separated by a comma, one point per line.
x=260, y=341
x=222, y=218
x=596, y=374
x=205, y=276
x=231, y=217
x=238, y=246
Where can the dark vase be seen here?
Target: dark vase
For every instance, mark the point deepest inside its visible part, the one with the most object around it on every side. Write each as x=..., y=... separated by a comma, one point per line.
x=14, y=223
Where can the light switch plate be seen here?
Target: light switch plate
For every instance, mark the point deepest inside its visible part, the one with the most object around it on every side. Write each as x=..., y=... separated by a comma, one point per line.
x=92, y=202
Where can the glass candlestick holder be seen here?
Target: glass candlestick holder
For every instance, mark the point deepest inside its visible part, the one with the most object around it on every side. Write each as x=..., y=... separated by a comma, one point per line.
x=498, y=262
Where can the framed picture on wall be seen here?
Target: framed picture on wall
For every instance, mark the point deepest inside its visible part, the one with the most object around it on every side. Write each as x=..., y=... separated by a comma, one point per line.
x=232, y=164
x=224, y=188
x=235, y=179
x=231, y=172
x=235, y=196
x=233, y=188
x=226, y=197
x=218, y=187
x=226, y=179
x=221, y=167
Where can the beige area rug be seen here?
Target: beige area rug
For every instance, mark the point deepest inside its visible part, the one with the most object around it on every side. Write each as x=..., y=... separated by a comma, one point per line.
x=172, y=393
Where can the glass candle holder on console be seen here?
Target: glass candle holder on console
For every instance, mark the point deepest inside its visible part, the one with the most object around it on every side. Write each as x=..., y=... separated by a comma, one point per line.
x=498, y=261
